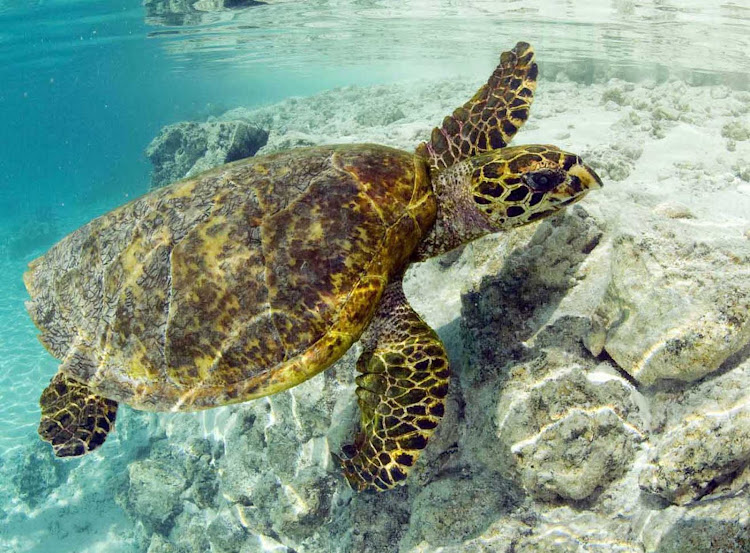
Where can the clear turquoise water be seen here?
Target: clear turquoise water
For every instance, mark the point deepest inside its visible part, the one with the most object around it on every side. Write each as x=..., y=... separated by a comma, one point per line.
x=85, y=85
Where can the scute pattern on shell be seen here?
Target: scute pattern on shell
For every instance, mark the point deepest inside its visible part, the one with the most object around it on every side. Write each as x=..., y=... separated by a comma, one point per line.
x=208, y=291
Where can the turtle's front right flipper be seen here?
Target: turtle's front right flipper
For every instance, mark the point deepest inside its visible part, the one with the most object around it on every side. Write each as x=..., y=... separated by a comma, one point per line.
x=401, y=394
x=74, y=419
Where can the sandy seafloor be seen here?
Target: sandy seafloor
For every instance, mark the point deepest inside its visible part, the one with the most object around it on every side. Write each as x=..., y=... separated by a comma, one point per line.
x=667, y=152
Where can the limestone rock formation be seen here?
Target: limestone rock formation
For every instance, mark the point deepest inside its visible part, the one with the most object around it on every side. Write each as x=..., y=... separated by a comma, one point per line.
x=701, y=456
x=676, y=306
x=37, y=474
x=192, y=12
x=188, y=148
x=154, y=492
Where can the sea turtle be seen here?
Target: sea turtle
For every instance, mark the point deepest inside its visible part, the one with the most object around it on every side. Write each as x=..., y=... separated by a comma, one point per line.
x=252, y=277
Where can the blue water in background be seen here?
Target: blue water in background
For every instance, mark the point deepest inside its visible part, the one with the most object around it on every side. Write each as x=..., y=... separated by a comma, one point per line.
x=85, y=85
x=84, y=90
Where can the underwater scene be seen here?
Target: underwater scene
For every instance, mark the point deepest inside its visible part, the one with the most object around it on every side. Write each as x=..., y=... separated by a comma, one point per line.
x=378, y=276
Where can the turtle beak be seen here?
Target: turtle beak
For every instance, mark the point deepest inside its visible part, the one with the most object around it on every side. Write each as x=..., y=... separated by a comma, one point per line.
x=587, y=177
x=581, y=180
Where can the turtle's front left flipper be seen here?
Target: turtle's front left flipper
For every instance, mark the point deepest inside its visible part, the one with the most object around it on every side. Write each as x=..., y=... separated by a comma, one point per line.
x=401, y=394
x=74, y=419
x=492, y=117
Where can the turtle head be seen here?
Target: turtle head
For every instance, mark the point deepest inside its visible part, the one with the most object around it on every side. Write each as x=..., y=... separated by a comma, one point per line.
x=501, y=189
x=518, y=185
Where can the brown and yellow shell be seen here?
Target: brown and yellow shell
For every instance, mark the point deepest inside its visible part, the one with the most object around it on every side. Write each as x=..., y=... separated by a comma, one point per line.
x=235, y=284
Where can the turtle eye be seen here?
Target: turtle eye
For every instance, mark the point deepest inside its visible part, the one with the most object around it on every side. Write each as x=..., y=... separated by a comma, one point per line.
x=543, y=180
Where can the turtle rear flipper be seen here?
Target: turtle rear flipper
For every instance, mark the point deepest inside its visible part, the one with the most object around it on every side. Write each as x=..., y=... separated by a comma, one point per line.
x=74, y=419
x=401, y=394
x=491, y=118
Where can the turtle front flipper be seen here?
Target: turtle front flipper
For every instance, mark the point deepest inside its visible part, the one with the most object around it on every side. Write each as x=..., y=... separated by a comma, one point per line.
x=74, y=419
x=490, y=119
x=401, y=394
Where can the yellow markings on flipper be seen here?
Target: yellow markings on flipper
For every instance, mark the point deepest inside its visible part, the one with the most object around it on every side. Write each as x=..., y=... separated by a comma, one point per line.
x=74, y=419
x=401, y=394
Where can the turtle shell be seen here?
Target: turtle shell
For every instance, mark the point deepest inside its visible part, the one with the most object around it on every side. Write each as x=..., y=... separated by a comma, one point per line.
x=234, y=284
